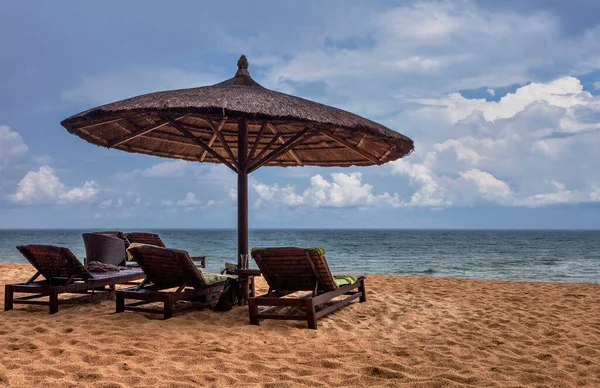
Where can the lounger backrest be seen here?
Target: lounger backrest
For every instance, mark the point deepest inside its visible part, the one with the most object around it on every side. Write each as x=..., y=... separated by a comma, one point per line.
x=117, y=234
x=145, y=238
x=104, y=248
x=54, y=262
x=293, y=269
x=168, y=268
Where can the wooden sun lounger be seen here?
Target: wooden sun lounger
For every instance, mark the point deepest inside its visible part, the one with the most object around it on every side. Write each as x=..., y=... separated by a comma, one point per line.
x=290, y=270
x=167, y=269
x=63, y=273
x=154, y=239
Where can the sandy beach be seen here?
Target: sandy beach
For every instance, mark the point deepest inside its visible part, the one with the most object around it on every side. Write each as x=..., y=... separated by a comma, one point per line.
x=413, y=331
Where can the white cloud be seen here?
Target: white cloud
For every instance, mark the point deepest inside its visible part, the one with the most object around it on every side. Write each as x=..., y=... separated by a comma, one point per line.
x=540, y=133
x=191, y=202
x=88, y=190
x=487, y=185
x=430, y=192
x=560, y=195
x=43, y=186
x=11, y=144
x=564, y=92
x=463, y=152
x=344, y=190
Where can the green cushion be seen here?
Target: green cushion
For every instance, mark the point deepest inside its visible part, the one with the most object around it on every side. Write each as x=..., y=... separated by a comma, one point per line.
x=135, y=245
x=316, y=251
x=342, y=280
x=211, y=278
x=256, y=249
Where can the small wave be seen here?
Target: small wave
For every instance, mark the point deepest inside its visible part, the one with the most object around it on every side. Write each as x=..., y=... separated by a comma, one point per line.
x=429, y=271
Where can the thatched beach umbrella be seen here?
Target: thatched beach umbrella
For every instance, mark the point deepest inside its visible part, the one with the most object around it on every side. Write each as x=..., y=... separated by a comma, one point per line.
x=242, y=125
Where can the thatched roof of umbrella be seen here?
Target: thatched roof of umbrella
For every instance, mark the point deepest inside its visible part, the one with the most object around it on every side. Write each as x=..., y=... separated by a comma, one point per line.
x=201, y=124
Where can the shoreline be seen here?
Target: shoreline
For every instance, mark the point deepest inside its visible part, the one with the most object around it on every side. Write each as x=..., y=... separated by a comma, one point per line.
x=2, y=263
x=418, y=331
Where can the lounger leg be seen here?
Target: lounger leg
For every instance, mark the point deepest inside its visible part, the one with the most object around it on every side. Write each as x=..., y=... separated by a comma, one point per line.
x=363, y=293
x=253, y=312
x=53, y=301
x=8, y=297
x=311, y=314
x=168, y=307
x=252, y=287
x=120, y=302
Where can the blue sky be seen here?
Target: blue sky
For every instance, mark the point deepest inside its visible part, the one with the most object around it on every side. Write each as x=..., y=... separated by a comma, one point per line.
x=501, y=98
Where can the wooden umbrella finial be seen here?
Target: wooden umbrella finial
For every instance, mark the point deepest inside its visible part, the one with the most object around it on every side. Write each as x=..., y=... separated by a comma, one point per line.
x=243, y=62
x=242, y=65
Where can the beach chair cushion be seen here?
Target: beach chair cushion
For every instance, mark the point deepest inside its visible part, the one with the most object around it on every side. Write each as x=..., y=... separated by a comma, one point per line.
x=316, y=251
x=342, y=280
x=211, y=278
x=145, y=238
x=135, y=245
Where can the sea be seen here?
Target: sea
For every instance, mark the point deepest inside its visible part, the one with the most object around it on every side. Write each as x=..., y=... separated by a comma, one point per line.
x=533, y=255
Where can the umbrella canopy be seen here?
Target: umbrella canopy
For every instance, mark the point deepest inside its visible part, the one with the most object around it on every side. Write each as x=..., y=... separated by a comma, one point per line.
x=243, y=125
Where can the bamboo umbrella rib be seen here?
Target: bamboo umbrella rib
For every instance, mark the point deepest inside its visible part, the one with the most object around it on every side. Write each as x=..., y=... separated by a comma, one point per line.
x=349, y=145
x=224, y=143
x=257, y=141
x=265, y=149
x=362, y=139
x=123, y=127
x=187, y=133
x=386, y=154
x=141, y=132
x=291, y=152
x=282, y=149
x=110, y=121
x=213, y=138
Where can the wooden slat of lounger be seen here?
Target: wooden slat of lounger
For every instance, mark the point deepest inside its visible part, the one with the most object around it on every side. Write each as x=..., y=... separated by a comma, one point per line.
x=168, y=268
x=54, y=262
x=324, y=273
x=145, y=238
x=285, y=251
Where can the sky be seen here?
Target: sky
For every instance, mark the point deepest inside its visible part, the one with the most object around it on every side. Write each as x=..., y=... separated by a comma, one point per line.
x=502, y=100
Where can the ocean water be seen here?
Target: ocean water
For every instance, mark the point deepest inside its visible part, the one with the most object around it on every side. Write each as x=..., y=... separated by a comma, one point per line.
x=567, y=256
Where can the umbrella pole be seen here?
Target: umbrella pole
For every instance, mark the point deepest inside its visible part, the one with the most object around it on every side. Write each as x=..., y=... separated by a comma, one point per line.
x=242, y=191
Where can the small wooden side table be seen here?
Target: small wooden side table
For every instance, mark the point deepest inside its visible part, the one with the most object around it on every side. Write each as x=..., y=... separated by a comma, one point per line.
x=246, y=279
